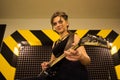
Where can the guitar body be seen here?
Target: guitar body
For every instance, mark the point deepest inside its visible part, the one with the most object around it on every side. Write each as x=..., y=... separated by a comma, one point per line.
x=46, y=75
x=50, y=72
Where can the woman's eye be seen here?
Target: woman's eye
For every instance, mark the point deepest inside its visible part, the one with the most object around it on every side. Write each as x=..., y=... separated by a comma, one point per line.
x=54, y=24
x=59, y=22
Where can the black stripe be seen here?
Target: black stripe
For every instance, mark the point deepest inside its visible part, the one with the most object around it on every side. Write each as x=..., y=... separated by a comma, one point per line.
x=2, y=30
x=9, y=55
x=45, y=40
x=116, y=58
x=92, y=32
x=112, y=36
x=73, y=31
x=2, y=77
x=18, y=37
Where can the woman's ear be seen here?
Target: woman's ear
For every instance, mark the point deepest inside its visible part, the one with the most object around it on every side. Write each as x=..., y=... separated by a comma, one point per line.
x=67, y=25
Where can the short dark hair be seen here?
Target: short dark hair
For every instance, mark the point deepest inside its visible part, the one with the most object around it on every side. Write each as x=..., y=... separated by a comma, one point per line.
x=58, y=13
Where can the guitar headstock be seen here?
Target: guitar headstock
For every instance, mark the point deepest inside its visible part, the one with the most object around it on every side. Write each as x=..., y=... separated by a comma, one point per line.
x=94, y=40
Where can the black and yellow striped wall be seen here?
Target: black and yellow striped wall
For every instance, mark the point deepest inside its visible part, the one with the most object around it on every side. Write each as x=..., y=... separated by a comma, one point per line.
x=10, y=47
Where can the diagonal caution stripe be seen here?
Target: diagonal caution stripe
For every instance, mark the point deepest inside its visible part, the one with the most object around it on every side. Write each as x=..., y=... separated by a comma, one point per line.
x=51, y=34
x=112, y=36
x=115, y=45
x=117, y=69
x=81, y=33
x=45, y=40
x=2, y=77
x=12, y=44
x=31, y=39
x=18, y=37
x=7, y=70
x=104, y=33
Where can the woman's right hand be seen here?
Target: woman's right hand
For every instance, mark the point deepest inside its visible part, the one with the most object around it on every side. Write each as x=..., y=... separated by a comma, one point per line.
x=44, y=65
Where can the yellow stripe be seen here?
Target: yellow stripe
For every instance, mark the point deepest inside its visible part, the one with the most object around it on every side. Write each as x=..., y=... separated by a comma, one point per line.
x=117, y=69
x=51, y=34
x=31, y=39
x=81, y=33
x=115, y=45
x=104, y=33
x=12, y=44
x=7, y=70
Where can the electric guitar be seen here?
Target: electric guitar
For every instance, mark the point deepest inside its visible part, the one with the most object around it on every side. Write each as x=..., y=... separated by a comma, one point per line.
x=90, y=40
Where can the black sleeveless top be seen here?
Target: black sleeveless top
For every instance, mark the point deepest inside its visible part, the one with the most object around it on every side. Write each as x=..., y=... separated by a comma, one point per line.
x=68, y=70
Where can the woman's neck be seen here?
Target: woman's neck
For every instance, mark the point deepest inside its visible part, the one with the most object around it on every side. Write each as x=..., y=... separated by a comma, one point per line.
x=64, y=35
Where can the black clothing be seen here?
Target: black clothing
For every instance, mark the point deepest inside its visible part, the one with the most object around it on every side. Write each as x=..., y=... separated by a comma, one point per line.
x=68, y=70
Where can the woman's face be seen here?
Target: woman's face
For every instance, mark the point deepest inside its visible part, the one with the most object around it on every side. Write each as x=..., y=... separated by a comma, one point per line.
x=60, y=25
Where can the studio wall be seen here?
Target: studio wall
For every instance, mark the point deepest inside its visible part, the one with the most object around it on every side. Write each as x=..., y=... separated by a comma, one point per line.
x=10, y=50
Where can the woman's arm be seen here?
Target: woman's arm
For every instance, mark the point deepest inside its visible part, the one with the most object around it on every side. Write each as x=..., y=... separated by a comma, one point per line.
x=79, y=54
x=45, y=64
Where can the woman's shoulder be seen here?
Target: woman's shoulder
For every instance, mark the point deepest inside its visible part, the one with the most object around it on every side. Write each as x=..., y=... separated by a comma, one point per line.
x=76, y=38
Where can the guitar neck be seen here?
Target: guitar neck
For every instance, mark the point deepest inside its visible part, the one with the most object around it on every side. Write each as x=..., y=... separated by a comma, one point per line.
x=57, y=60
x=89, y=40
x=61, y=56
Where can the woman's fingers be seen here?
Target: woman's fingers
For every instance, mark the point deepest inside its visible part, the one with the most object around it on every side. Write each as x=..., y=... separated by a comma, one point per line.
x=44, y=65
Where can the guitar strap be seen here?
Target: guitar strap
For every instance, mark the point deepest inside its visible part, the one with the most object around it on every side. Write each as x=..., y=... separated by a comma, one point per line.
x=70, y=41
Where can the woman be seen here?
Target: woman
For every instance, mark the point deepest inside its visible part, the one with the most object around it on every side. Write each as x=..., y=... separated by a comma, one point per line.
x=72, y=67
